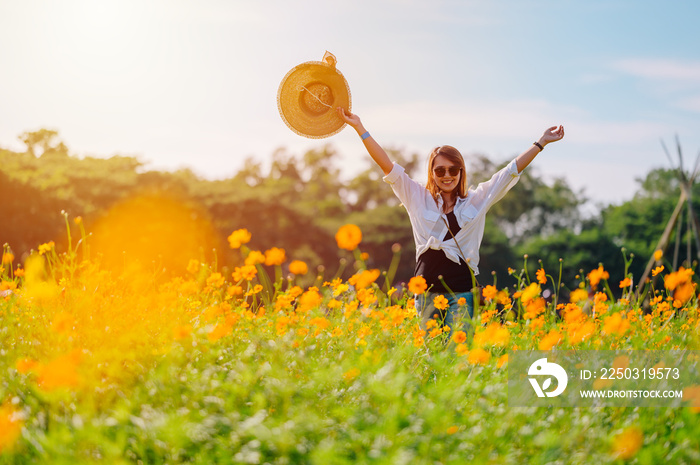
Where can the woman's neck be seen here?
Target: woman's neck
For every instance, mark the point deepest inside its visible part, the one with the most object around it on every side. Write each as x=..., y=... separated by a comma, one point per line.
x=449, y=200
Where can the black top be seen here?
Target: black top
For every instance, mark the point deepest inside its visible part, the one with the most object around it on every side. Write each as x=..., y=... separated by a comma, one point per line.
x=433, y=263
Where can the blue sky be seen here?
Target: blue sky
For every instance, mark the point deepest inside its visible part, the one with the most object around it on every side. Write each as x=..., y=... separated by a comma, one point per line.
x=194, y=84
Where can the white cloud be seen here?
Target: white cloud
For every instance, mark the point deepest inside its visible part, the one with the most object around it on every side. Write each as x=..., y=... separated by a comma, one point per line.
x=660, y=69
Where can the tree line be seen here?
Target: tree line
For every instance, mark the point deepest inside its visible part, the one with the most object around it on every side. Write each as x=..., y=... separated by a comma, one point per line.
x=299, y=201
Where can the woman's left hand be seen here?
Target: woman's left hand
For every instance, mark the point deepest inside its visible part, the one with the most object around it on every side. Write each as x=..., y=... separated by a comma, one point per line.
x=552, y=134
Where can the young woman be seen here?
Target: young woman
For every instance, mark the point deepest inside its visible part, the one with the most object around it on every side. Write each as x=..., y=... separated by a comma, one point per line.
x=447, y=217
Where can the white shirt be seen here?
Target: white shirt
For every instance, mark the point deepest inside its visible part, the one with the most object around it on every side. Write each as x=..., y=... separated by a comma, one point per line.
x=430, y=224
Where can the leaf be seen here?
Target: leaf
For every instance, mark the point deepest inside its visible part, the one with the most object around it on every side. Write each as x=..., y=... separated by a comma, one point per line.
x=546, y=384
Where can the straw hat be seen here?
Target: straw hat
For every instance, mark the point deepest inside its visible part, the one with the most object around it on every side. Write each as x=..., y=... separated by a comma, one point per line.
x=308, y=96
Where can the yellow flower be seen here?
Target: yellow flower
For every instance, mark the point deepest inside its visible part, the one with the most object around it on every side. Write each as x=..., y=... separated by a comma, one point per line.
x=502, y=360
x=627, y=444
x=657, y=270
x=298, y=267
x=417, y=285
x=578, y=295
x=462, y=349
x=7, y=258
x=275, y=256
x=530, y=292
x=541, y=277
x=658, y=254
x=440, y=302
x=46, y=248
x=254, y=257
x=238, y=238
x=348, y=237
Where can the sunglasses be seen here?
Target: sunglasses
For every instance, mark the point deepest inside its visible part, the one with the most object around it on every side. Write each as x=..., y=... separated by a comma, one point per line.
x=453, y=170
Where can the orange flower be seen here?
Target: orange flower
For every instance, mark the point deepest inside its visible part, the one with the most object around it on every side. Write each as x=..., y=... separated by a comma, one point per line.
x=489, y=292
x=25, y=365
x=459, y=337
x=298, y=267
x=348, y=237
x=658, y=254
x=309, y=300
x=238, y=238
x=182, y=332
x=615, y=324
x=440, y=302
x=364, y=278
x=479, y=356
x=596, y=275
x=417, y=285
x=10, y=427
x=351, y=374
x=462, y=349
x=219, y=331
x=215, y=280
x=254, y=257
x=494, y=334
x=62, y=372
x=541, y=277
x=550, y=340
x=275, y=256
x=627, y=282
x=452, y=429
x=193, y=266
x=627, y=444
x=657, y=270
x=246, y=272
x=7, y=258
x=502, y=360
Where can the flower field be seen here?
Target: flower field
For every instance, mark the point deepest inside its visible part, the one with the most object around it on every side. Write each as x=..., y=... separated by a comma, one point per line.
x=269, y=362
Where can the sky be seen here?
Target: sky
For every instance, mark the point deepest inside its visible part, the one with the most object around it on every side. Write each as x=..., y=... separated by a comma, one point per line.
x=185, y=84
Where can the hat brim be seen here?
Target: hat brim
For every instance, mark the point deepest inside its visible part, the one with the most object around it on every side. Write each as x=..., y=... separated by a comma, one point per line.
x=308, y=97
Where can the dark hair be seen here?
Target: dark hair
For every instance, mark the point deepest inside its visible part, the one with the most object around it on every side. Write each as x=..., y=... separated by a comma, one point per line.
x=455, y=157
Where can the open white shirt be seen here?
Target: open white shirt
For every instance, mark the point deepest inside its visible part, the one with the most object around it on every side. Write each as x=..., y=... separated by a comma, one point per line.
x=430, y=224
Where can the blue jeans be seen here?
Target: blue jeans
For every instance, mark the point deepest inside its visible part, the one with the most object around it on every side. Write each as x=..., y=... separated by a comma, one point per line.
x=453, y=314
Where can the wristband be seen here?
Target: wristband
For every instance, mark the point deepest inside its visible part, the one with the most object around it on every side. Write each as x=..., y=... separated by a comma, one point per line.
x=365, y=135
x=539, y=145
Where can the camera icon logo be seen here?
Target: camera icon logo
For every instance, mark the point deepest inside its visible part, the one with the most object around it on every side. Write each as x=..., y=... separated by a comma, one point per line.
x=543, y=368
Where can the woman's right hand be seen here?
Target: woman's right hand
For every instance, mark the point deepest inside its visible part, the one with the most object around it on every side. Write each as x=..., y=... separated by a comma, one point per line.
x=350, y=118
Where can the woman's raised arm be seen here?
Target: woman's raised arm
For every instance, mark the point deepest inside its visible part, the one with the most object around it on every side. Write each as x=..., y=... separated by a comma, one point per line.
x=373, y=148
x=552, y=134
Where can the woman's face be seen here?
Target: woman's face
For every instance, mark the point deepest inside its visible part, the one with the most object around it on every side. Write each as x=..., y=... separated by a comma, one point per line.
x=447, y=181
